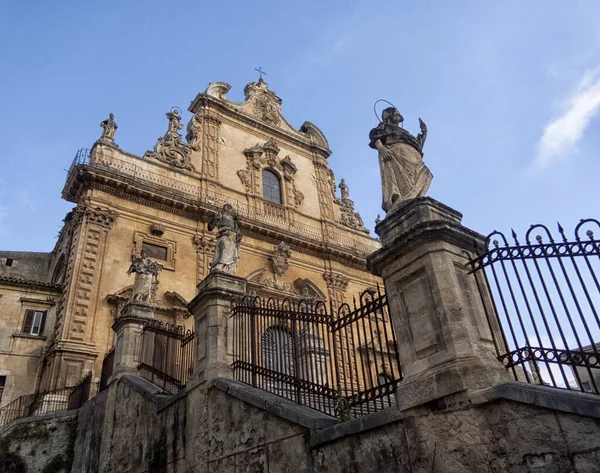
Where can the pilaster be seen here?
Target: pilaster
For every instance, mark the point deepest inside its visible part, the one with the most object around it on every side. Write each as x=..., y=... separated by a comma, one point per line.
x=444, y=339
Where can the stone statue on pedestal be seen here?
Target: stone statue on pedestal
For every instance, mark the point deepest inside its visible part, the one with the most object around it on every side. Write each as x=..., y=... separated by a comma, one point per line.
x=146, y=278
x=228, y=240
x=109, y=128
x=403, y=173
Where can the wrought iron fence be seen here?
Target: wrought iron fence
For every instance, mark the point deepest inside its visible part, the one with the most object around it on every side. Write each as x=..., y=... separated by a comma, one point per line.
x=107, y=369
x=167, y=355
x=48, y=402
x=344, y=365
x=545, y=295
x=80, y=393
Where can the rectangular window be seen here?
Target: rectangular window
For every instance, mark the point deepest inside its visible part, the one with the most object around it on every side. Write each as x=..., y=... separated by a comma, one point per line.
x=34, y=322
x=2, y=384
x=155, y=251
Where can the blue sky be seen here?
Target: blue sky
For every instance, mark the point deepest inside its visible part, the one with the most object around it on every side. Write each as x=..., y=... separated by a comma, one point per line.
x=509, y=90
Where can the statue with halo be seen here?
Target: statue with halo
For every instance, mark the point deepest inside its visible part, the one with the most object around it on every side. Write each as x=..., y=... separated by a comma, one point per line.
x=403, y=173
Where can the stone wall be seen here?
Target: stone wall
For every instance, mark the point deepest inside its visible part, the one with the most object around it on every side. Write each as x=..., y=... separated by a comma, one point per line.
x=231, y=427
x=43, y=444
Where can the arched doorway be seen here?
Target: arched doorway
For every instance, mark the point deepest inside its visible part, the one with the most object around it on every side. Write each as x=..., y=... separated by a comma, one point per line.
x=278, y=358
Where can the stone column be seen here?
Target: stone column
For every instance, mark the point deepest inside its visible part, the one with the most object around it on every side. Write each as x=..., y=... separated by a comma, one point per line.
x=214, y=338
x=128, y=328
x=444, y=338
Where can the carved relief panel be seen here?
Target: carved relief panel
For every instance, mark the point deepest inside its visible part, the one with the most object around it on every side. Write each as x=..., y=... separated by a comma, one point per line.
x=325, y=187
x=205, y=244
x=203, y=136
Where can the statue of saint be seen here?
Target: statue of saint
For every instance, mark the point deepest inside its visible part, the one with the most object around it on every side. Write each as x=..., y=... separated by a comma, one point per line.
x=403, y=173
x=110, y=127
x=344, y=189
x=172, y=134
x=228, y=240
x=146, y=278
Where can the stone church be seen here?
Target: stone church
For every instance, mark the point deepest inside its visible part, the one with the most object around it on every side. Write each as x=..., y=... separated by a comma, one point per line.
x=300, y=238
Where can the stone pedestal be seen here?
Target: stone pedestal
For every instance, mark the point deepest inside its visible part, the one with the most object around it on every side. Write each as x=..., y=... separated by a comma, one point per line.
x=444, y=338
x=127, y=344
x=211, y=309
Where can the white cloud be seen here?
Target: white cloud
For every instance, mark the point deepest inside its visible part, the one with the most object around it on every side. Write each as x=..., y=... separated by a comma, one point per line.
x=562, y=134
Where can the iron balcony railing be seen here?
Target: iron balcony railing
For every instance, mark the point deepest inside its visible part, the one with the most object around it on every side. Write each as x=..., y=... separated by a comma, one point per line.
x=269, y=214
x=345, y=365
x=545, y=311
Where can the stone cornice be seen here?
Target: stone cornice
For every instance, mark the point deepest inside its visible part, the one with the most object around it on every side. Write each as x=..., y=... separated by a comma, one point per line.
x=86, y=177
x=23, y=282
x=429, y=231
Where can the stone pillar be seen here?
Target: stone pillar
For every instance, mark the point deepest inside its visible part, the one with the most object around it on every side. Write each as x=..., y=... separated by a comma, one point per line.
x=214, y=338
x=128, y=328
x=444, y=338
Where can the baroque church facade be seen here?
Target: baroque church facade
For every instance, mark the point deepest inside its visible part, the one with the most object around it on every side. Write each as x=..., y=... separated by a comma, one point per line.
x=300, y=239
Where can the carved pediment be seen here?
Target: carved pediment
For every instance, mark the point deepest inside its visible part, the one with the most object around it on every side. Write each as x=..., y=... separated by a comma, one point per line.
x=265, y=104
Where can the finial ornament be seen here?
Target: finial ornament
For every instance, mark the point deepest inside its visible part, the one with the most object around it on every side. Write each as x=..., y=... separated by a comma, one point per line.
x=349, y=216
x=109, y=128
x=229, y=237
x=403, y=173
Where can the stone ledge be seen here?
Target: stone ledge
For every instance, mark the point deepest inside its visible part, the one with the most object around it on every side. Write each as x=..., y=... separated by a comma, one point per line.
x=362, y=424
x=288, y=410
x=41, y=418
x=573, y=402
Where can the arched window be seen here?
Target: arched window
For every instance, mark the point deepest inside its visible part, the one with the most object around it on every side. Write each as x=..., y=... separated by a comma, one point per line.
x=271, y=186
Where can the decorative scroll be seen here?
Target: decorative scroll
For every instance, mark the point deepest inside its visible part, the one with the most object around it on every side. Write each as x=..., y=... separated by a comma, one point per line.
x=170, y=148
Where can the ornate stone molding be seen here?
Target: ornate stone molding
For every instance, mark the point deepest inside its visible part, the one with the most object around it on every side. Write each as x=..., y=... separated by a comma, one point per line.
x=336, y=281
x=203, y=135
x=278, y=284
x=157, y=230
x=279, y=259
x=205, y=249
x=265, y=103
x=259, y=157
x=170, y=148
x=103, y=217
